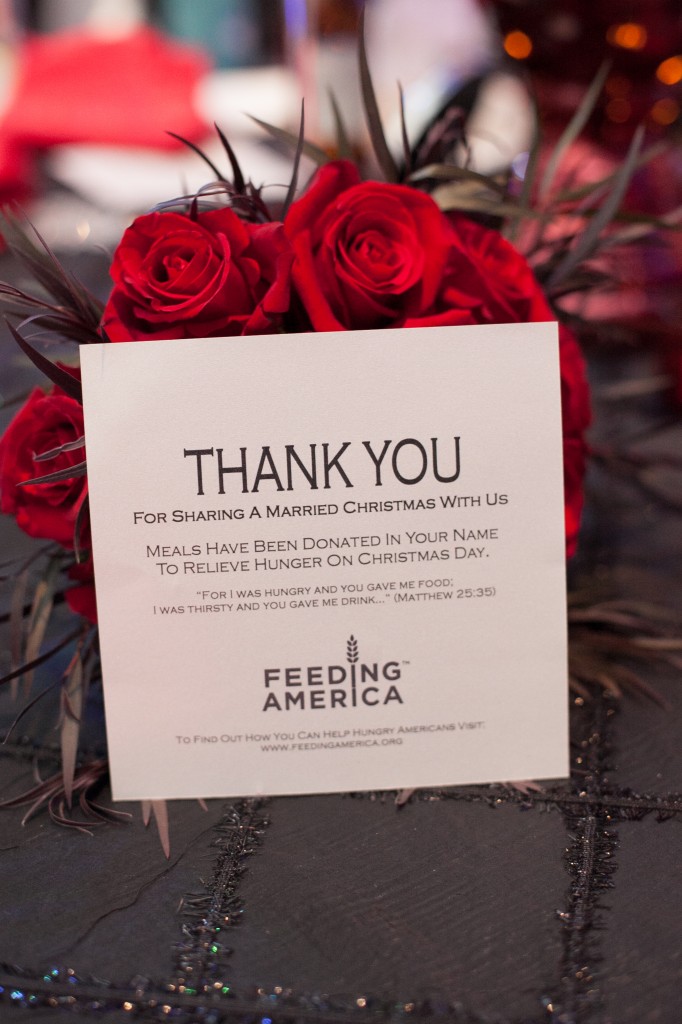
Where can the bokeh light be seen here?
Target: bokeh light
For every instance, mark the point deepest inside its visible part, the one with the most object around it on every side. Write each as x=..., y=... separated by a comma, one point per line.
x=665, y=111
x=518, y=45
x=618, y=110
x=670, y=71
x=629, y=35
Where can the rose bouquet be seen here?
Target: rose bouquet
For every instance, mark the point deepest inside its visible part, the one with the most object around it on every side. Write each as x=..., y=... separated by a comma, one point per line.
x=347, y=255
x=427, y=243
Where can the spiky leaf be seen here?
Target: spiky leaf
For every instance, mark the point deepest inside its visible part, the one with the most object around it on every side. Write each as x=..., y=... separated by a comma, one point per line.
x=573, y=128
x=66, y=381
x=374, y=123
x=72, y=711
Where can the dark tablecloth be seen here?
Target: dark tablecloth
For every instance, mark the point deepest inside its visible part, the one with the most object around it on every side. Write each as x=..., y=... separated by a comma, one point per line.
x=475, y=904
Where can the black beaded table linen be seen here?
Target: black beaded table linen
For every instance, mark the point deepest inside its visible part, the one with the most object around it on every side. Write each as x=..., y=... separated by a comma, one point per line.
x=469, y=905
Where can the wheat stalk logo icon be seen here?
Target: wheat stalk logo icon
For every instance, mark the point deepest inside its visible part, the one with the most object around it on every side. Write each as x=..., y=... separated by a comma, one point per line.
x=352, y=657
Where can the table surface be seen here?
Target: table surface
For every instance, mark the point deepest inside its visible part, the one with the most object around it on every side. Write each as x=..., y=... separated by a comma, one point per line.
x=473, y=904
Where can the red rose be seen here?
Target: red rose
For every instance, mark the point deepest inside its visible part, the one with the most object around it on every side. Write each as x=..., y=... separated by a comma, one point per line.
x=176, y=276
x=486, y=281
x=48, y=510
x=367, y=254
x=81, y=598
x=575, y=419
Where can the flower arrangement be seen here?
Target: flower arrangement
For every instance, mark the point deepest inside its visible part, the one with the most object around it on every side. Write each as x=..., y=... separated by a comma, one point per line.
x=347, y=255
x=426, y=243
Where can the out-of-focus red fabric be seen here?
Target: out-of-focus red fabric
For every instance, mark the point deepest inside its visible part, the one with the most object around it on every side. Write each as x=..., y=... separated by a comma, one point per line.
x=77, y=87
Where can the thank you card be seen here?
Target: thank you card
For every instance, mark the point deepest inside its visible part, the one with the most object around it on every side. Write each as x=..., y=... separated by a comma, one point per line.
x=329, y=562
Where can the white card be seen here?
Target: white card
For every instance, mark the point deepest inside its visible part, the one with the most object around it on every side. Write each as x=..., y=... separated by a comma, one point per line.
x=329, y=562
